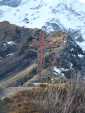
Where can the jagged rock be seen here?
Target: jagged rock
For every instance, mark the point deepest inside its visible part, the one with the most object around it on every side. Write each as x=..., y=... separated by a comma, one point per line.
x=14, y=48
x=73, y=57
x=53, y=26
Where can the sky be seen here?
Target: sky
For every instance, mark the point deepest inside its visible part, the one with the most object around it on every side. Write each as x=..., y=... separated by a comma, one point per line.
x=82, y=1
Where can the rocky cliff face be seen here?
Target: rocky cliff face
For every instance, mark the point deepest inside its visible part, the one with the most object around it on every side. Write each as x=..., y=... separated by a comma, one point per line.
x=72, y=57
x=15, y=37
x=14, y=48
x=16, y=54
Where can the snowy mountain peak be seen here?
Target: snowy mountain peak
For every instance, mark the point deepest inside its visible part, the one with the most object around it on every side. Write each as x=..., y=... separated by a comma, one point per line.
x=48, y=14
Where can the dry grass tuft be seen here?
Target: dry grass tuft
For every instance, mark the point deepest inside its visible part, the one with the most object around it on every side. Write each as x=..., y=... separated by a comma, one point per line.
x=62, y=98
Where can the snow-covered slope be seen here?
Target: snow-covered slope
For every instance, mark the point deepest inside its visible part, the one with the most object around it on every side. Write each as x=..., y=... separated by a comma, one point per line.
x=48, y=13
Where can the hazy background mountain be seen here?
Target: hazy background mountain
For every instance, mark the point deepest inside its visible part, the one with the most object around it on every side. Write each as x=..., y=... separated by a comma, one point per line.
x=38, y=13
x=12, y=3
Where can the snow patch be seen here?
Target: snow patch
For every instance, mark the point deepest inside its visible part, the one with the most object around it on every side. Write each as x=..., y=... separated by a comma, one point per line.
x=82, y=45
x=11, y=43
x=81, y=56
x=11, y=54
x=57, y=70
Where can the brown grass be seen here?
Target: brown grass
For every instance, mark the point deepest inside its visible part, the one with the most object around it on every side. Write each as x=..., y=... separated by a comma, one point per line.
x=62, y=98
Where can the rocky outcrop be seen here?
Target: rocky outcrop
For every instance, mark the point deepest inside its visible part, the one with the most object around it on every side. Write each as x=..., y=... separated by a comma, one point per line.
x=16, y=54
x=14, y=48
x=53, y=26
x=72, y=57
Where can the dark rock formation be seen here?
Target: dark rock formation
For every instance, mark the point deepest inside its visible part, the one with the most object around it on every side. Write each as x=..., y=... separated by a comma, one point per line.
x=53, y=26
x=73, y=57
x=14, y=48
